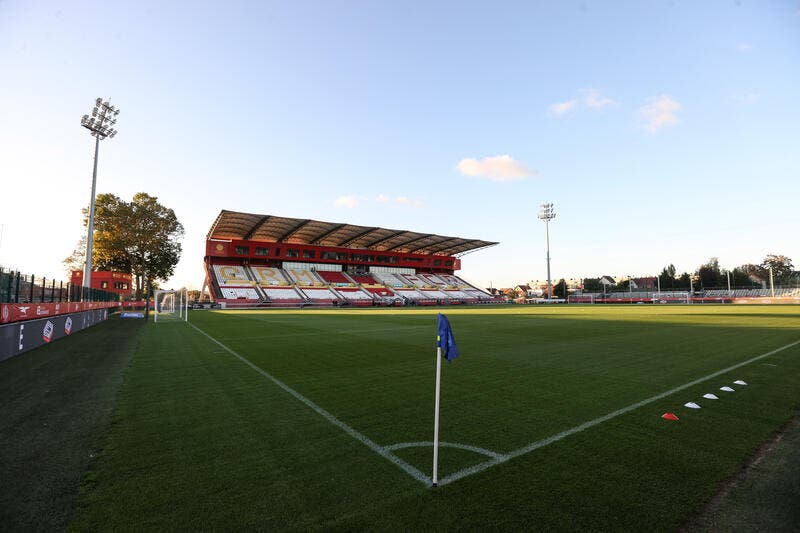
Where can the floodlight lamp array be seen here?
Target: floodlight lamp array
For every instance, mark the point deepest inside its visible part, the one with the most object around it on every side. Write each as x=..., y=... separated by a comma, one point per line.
x=546, y=212
x=102, y=120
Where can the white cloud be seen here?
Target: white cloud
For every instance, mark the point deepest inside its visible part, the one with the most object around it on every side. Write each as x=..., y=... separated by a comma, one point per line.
x=592, y=98
x=659, y=112
x=346, y=201
x=381, y=199
x=497, y=168
x=403, y=200
x=562, y=107
x=589, y=98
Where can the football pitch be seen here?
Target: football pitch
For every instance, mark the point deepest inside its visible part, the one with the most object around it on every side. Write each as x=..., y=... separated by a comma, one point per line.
x=550, y=418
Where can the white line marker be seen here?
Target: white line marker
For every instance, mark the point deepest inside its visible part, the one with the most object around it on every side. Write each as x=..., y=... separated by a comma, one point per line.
x=380, y=450
x=476, y=449
x=711, y=396
x=739, y=382
x=727, y=389
x=691, y=405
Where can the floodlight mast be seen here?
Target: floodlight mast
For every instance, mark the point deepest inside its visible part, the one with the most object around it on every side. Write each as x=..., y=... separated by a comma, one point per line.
x=100, y=125
x=547, y=214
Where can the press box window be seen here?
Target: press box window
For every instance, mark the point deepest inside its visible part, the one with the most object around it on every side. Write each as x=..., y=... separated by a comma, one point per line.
x=308, y=254
x=241, y=250
x=260, y=250
x=292, y=253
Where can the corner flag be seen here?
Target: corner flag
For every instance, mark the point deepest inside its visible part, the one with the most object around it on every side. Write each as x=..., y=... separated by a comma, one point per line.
x=445, y=339
x=445, y=346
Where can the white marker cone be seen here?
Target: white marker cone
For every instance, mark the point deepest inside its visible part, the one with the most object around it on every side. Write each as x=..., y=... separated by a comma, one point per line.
x=726, y=389
x=711, y=396
x=740, y=382
x=691, y=405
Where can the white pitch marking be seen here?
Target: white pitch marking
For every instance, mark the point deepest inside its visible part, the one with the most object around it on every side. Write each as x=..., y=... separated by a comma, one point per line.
x=586, y=425
x=476, y=449
x=372, y=445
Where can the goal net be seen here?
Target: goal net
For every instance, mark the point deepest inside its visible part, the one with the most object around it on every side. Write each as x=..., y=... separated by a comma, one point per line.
x=671, y=298
x=170, y=305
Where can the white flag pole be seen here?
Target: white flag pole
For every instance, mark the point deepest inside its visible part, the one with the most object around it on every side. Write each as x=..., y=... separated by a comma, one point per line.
x=436, y=417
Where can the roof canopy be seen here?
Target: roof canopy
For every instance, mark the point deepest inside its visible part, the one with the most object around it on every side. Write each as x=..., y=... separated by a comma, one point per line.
x=247, y=226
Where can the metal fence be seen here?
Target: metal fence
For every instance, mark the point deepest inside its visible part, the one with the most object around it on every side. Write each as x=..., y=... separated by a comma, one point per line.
x=16, y=287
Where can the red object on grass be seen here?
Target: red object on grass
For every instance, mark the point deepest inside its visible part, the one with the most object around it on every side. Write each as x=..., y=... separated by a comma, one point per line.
x=669, y=416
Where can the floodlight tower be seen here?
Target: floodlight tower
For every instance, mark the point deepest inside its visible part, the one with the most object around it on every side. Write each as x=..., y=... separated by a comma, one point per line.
x=100, y=125
x=547, y=214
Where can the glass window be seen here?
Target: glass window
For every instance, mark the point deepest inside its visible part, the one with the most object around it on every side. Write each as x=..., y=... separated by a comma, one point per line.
x=308, y=254
x=292, y=253
x=260, y=250
x=241, y=250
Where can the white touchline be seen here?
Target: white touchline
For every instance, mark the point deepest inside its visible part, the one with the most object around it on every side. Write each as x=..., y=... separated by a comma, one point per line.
x=380, y=450
x=386, y=451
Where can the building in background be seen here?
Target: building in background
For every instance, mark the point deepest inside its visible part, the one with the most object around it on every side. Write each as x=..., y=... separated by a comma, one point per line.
x=106, y=280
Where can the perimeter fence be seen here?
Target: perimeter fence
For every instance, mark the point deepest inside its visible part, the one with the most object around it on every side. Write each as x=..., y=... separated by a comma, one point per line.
x=16, y=287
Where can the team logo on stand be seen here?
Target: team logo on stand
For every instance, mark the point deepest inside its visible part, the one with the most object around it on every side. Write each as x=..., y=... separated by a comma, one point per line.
x=6, y=312
x=68, y=325
x=47, y=332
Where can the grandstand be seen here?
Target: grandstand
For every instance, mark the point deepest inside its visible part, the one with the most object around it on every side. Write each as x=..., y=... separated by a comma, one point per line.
x=264, y=260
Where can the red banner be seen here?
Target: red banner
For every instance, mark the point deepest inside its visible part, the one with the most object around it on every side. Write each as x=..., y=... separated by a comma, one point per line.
x=16, y=312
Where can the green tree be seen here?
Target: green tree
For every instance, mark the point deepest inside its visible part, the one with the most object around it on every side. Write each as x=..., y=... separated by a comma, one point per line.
x=592, y=285
x=782, y=268
x=667, y=277
x=709, y=274
x=560, y=289
x=683, y=282
x=140, y=237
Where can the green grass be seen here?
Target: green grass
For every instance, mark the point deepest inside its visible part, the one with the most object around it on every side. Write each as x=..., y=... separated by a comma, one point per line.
x=199, y=440
x=54, y=402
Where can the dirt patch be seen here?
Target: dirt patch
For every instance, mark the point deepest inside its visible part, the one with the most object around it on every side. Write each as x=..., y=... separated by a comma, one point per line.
x=700, y=520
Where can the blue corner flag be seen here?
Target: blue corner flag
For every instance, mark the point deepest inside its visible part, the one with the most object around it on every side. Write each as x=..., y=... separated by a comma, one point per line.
x=445, y=339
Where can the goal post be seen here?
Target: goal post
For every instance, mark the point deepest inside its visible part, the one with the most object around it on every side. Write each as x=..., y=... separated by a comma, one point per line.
x=171, y=305
x=671, y=298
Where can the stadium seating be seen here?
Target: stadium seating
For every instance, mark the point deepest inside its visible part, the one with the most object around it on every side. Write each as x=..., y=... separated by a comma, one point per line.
x=413, y=281
x=391, y=280
x=268, y=276
x=249, y=294
x=320, y=295
x=283, y=294
x=232, y=276
x=304, y=278
x=381, y=291
x=433, y=280
x=355, y=295
x=336, y=279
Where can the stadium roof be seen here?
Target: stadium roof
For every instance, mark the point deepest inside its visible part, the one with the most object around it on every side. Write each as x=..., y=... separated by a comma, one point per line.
x=248, y=226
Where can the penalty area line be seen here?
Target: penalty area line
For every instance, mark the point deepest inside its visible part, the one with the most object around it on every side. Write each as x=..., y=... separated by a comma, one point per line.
x=369, y=443
x=586, y=425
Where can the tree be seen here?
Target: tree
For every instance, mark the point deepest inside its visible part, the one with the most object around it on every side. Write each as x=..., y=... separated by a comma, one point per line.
x=684, y=281
x=666, y=279
x=592, y=285
x=560, y=289
x=782, y=268
x=140, y=237
x=77, y=259
x=709, y=274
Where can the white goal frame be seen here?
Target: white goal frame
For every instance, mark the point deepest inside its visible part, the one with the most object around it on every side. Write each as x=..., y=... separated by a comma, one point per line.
x=179, y=297
x=661, y=297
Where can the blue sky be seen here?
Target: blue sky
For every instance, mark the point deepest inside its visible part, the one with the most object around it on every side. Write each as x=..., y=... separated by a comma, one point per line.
x=663, y=132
